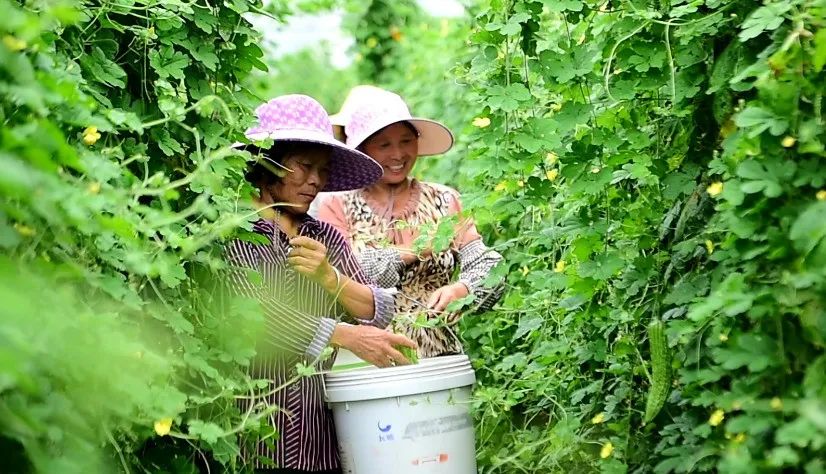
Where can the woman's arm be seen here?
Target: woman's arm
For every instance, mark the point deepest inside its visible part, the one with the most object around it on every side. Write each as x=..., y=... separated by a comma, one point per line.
x=476, y=261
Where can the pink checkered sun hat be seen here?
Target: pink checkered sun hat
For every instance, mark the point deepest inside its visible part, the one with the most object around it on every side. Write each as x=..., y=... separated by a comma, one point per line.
x=376, y=109
x=300, y=118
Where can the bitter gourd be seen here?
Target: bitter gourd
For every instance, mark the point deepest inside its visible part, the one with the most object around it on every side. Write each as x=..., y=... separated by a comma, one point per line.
x=660, y=370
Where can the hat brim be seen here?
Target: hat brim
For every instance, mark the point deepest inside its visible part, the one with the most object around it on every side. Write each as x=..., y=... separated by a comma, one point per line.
x=434, y=138
x=349, y=169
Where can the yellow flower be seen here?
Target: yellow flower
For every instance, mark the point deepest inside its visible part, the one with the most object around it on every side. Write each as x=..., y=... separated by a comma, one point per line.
x=525, y=271
x=581, y=39
x=595, y=169
x=501, y=186
x=395, y=33
x=372, y=42
x=821, y=195
x=788, y=141
x=607, y=450
x=93, y=188
x=91, y=135
x=556, y=106
x=552, y=174
x=710, y=247
x=163, y=426
x=520, y=183
x=714, y=188
x=481, y=122
x=599, y=418
x=723, y=337
x=740, y=437
x=14, y=44
x=24, y=230
x=551, y=158
x=776, y=403
x=717, y=417
x=560, y=266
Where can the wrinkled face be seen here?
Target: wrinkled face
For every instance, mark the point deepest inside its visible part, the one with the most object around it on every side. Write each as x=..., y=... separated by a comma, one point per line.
x=310, y=169
x=395, y=148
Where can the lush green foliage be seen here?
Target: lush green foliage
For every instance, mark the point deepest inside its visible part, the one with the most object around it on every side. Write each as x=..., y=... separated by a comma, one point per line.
x=652, y=160
x=117, y=180
x=635, y=161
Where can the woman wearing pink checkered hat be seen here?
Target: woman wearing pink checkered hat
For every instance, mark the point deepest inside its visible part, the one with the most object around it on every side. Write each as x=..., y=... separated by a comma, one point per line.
x=313, y=291
x=383, y=220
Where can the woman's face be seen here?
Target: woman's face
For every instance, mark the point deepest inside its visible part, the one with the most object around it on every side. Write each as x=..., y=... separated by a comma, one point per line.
x=310, y=169
x=395, y=148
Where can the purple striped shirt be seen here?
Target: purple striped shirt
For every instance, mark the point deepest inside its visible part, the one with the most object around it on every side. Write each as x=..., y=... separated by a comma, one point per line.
x=300, y=317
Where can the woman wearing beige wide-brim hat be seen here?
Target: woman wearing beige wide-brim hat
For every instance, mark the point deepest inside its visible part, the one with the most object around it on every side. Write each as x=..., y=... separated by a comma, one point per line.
x=382, y=220
x=311, y=284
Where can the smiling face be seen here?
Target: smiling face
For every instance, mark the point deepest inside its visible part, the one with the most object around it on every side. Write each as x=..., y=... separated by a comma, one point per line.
x=310, y=169
x=395, y=148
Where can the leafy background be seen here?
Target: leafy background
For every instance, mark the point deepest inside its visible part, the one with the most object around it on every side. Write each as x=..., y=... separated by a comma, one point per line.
x=634, y=161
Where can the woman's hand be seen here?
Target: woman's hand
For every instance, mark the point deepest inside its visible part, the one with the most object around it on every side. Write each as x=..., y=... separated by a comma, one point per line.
x=309, y=258
x=372, y=344
x=445, y=295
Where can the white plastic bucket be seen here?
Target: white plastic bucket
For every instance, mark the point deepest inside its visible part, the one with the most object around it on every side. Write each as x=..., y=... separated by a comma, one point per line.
x=405, y=420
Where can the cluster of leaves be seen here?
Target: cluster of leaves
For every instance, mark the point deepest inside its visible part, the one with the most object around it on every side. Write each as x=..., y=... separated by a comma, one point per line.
x=117, y=184
x=651, y=160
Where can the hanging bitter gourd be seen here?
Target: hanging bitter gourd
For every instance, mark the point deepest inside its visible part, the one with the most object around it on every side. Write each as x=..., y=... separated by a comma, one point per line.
x=660, y=370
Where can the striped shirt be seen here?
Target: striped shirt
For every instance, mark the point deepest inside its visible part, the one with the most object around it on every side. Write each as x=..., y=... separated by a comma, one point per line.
x=300, y=317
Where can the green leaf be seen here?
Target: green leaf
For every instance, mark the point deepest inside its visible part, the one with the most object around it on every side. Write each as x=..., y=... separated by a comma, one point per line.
x=766, y=18
x=819, y=56
x=809, y=229
x=103, y=69
x=205, y=430
x=759, y=119
x=168, y=62
x=527, y=324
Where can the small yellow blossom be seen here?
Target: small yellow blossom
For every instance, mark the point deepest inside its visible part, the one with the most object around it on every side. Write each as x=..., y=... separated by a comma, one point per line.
x=788, y=141
x=14, y=44
x=24, y=230
x=714, y=188
x=551, y=158
x=481, y=122
x=520, y=183
x=599, y=418
x=740, y=437
x=91, y=135
x=776, y=403
x=581, y=39
x=607, y=450
x=93, y=188
x=716, y=418
x=595, y=169
x=821, y=195
x=525, y=271
x=552, y=174
x=395, y=33
x=163, y=426
x=723, y=337
x=560, y=266
x=372, y=42
x=500, y=55
x=501, y=186
x=556, y=106
x=710, y=246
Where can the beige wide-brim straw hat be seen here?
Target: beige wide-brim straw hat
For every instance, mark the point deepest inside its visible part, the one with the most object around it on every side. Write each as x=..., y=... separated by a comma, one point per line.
x=300, y=118
x=370, y=109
